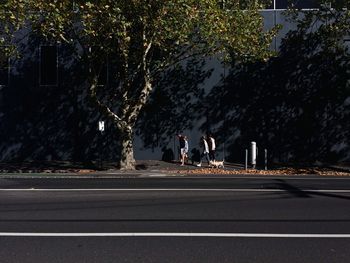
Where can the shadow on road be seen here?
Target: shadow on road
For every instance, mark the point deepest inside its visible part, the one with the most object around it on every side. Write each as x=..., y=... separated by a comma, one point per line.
x=297, y=192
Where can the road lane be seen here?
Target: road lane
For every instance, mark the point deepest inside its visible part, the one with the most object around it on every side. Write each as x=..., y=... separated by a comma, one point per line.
x=175, y=249
x=290, y=210
x=147, y=211
x=284, y=183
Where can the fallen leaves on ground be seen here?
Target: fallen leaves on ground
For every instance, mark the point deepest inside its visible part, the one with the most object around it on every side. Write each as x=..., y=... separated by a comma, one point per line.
x=284, y=171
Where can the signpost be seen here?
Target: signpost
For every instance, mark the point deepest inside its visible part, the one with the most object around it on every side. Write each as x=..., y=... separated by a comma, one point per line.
x=101, y=128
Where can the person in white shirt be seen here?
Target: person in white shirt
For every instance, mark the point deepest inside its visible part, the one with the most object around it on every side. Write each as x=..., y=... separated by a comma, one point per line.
x=184, y=150
x=212, y=147
x=204, y=145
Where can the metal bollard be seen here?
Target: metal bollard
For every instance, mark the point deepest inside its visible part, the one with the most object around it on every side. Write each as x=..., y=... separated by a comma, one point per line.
x=265, y=159
x=246, y=160
x=253, y=154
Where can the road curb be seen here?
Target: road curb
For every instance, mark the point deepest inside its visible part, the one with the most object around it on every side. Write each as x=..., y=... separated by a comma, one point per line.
x=154, y=175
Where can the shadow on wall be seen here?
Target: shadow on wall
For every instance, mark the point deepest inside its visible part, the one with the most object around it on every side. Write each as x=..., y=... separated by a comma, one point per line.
x=174, y=104
x=50, y=122
x=57, y=122
x=297, y=105
x=168, y=154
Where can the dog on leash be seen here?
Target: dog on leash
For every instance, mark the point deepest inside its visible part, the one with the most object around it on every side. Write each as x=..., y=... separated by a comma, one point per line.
x=217, y=164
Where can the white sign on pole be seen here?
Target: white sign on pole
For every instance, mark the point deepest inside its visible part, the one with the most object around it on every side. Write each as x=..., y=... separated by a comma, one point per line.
x=101, y=126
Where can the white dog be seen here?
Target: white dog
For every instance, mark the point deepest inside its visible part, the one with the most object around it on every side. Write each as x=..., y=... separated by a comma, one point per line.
x=217, y=164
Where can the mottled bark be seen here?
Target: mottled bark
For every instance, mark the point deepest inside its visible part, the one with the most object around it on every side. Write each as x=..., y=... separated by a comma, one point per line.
x=130, y=109
x=127, y=160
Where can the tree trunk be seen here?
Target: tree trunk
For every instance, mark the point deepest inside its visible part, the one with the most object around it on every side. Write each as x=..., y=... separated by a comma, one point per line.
x=127, y=160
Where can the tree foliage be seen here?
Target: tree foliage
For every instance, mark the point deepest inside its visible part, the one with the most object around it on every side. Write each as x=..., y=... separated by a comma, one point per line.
x=143, y=37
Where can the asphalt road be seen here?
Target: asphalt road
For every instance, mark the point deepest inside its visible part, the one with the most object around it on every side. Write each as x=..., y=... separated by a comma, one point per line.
x=175, y=220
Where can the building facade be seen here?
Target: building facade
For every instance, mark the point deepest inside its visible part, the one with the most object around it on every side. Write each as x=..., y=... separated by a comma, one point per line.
x=45, y=114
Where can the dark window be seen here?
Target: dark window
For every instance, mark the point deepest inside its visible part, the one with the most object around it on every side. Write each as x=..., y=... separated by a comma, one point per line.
x=48, y=65
x=75, y=6
x=4, y=67
x=97, y=67
x=268, y=4
x=305, y=4
x=103, y=78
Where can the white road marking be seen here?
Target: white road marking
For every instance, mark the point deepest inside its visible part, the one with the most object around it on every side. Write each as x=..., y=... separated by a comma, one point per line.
x=173, y=189
x=155, y=234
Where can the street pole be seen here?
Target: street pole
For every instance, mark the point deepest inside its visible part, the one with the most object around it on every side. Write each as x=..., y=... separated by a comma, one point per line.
x=101, y=128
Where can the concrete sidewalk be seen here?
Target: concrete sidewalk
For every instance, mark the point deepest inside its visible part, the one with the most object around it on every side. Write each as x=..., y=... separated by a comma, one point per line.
x=155, y=169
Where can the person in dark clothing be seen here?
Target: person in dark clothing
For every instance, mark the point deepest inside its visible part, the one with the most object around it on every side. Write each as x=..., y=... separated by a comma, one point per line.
x=205, y=150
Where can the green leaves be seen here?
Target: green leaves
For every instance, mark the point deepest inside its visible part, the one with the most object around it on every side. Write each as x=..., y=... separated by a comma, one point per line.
x=11, y=20
x=330, y=25
x=126, y=28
